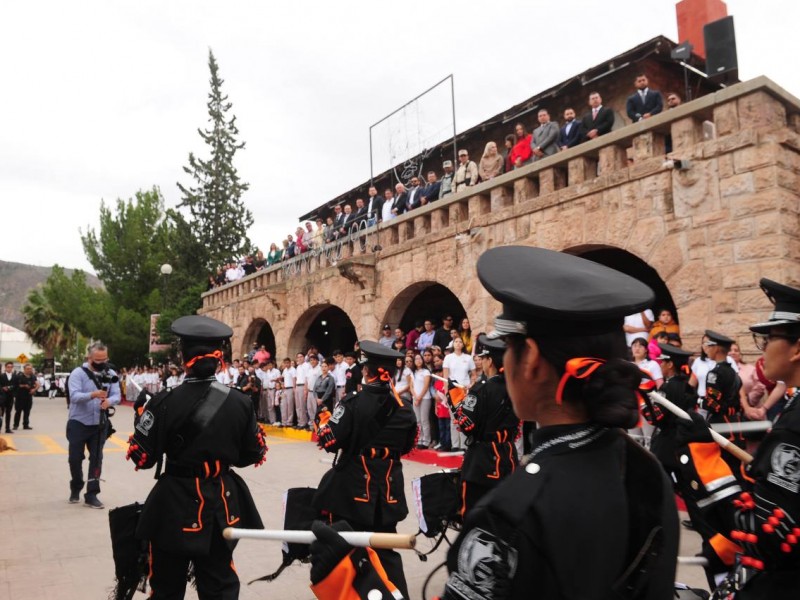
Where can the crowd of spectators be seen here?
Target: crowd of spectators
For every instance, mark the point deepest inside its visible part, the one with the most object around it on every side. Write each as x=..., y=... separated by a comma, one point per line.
x=521, y=148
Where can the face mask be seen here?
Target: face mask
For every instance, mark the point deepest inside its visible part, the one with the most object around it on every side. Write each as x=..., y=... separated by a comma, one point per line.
x=99, y=366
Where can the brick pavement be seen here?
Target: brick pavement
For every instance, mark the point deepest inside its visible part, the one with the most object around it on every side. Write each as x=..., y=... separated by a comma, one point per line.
x=50, y=549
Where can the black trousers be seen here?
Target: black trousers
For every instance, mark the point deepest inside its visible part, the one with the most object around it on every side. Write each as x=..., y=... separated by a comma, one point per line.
x=23, y=408
x=84, y=438
x=6, y=407
x=215, y=574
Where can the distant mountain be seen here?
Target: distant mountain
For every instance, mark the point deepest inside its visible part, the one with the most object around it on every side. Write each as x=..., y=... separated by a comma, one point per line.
x=16, y=280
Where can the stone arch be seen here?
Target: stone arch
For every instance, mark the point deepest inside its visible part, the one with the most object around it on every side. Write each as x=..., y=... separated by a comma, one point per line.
x=421, y=300
x=630, y=264
x=326, y=326
x=260, y=332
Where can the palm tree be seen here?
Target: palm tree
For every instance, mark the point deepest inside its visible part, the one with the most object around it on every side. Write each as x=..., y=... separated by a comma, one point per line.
x=45, y=328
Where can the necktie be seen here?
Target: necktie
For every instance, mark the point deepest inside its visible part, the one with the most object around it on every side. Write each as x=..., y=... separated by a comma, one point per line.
x=642, y=93
x=594, y=113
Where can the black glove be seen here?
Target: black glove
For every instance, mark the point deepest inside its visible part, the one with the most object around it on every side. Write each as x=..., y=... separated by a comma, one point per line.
x=695, y=430
x=653, y=414
x=328, y=549
x=451, y=384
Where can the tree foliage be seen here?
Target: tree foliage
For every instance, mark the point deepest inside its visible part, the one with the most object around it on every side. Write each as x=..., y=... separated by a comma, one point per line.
x=219, y=218
x=46, y=328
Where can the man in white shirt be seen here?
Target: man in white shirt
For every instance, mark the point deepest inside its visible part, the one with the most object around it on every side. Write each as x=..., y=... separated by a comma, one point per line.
x=300, y=391
x=460, y=367
x=386, y=209
x=386, y=339
x=637, y=325
x=270, y=379
x=287, y=401
x=339, y=373
x=313, y=372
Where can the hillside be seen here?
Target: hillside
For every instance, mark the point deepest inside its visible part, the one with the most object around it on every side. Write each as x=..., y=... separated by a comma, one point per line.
x=16, y=280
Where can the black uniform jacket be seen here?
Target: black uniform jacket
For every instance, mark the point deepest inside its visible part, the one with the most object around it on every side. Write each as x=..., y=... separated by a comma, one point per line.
x=569, y=523
x=491, y=454
x=678, y=391
x=198, y=492
x=722, y=394
x=776, y=493
x=366, y=484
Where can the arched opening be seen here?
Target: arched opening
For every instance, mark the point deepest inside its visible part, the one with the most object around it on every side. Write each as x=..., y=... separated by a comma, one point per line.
x=259, y=332
x=325, y=326
x=424, y=300
x=632, y=265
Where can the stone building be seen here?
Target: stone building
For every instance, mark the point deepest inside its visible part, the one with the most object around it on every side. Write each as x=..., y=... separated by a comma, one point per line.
x=700, y=236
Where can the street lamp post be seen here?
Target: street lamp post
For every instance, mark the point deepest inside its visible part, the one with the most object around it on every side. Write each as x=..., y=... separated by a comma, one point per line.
x=166, y=271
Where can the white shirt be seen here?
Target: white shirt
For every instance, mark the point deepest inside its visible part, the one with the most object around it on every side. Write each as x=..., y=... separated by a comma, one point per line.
x=419, y=382
x=289, y=375
x=459, y=367
x=174, y=380
x=271, y=377
x=223, y=377
x=302, y=373
x=636, y=321
x=402, y=385
x=386, y=210
x=340, y=373
x=651, y=367
x=312, y=374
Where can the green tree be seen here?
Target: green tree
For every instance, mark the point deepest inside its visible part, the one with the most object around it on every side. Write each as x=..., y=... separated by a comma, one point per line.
x=128, y=250
x=46, y=328
x=219, y=218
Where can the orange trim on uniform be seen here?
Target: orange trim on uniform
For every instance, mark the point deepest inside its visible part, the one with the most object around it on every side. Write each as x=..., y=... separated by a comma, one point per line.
x=369, y=478
x=225, y=503
x=216, y=473
x=456, y=395
x=199, y=509
x=388, y=489
x=338, y=585
x=511, y=456
x=463, y=499
x=708, y=462
x=233, y=567
x=744, y=474
x=496, y=474
x=207, y=469
x=725, y=549
x=150, y=569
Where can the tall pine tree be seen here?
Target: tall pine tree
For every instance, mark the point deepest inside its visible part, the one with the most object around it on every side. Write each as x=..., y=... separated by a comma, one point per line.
x=219, y=218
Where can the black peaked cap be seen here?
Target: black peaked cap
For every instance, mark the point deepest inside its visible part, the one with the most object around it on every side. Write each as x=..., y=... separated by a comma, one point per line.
x=548, y=292
x=787, y=306
x=201, y=328
x=373, y=352
x=488, y=346
x=719, y=338
x=670, y=352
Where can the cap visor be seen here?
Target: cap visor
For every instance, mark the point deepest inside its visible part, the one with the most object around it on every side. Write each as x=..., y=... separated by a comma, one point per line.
x=767, y=326
x=495, y=335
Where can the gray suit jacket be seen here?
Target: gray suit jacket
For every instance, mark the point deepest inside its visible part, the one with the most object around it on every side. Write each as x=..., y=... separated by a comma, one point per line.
x=545, y=137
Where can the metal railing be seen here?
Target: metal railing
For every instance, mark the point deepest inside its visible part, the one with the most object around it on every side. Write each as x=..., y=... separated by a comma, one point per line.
x=359, y=239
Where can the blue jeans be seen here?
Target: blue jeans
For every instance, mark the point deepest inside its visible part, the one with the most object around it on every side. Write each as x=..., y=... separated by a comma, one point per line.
x=86, y=437
x=444, y=433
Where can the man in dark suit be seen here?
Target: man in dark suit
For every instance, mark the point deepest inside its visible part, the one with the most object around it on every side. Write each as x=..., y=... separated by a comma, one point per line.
x=338, y=220
x=571, y=133
x=347, y=220
x=430, y=192
x=374, y=206
x=414, y=199
x=360, y=213
x=598, y=120
x=8, y=387
x=400, y=199
x=644, y=102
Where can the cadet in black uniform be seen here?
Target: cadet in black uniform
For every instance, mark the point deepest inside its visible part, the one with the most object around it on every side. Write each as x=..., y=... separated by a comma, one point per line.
x=487, y=418
x=370, y=430
x=204, y=429
x=722, y=400
x=592, y=514
x=352, y=374
x=707, y=496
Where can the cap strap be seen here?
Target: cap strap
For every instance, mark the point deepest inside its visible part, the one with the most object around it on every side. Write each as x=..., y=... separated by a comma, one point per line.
x=782, y=315
x=577, y=368
x=215, y=354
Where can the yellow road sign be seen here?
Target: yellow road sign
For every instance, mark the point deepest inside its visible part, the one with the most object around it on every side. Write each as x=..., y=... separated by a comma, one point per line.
x=22, y=358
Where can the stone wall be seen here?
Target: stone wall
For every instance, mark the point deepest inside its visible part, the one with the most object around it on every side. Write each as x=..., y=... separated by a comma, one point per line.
x=710, y=231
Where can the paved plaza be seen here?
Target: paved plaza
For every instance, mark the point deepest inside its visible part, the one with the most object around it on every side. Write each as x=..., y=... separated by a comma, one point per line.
x=50, y=549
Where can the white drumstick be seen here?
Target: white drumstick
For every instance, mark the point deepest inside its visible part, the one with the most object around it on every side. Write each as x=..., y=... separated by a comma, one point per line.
x=361, y=539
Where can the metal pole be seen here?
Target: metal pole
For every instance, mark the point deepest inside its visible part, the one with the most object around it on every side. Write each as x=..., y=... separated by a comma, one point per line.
x=453, y=102
x=371, y=172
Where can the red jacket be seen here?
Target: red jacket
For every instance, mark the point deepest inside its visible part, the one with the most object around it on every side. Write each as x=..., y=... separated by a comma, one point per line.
x=521, y=150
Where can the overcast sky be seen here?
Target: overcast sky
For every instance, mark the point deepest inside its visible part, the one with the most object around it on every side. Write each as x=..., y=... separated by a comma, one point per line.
x=101, y=99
